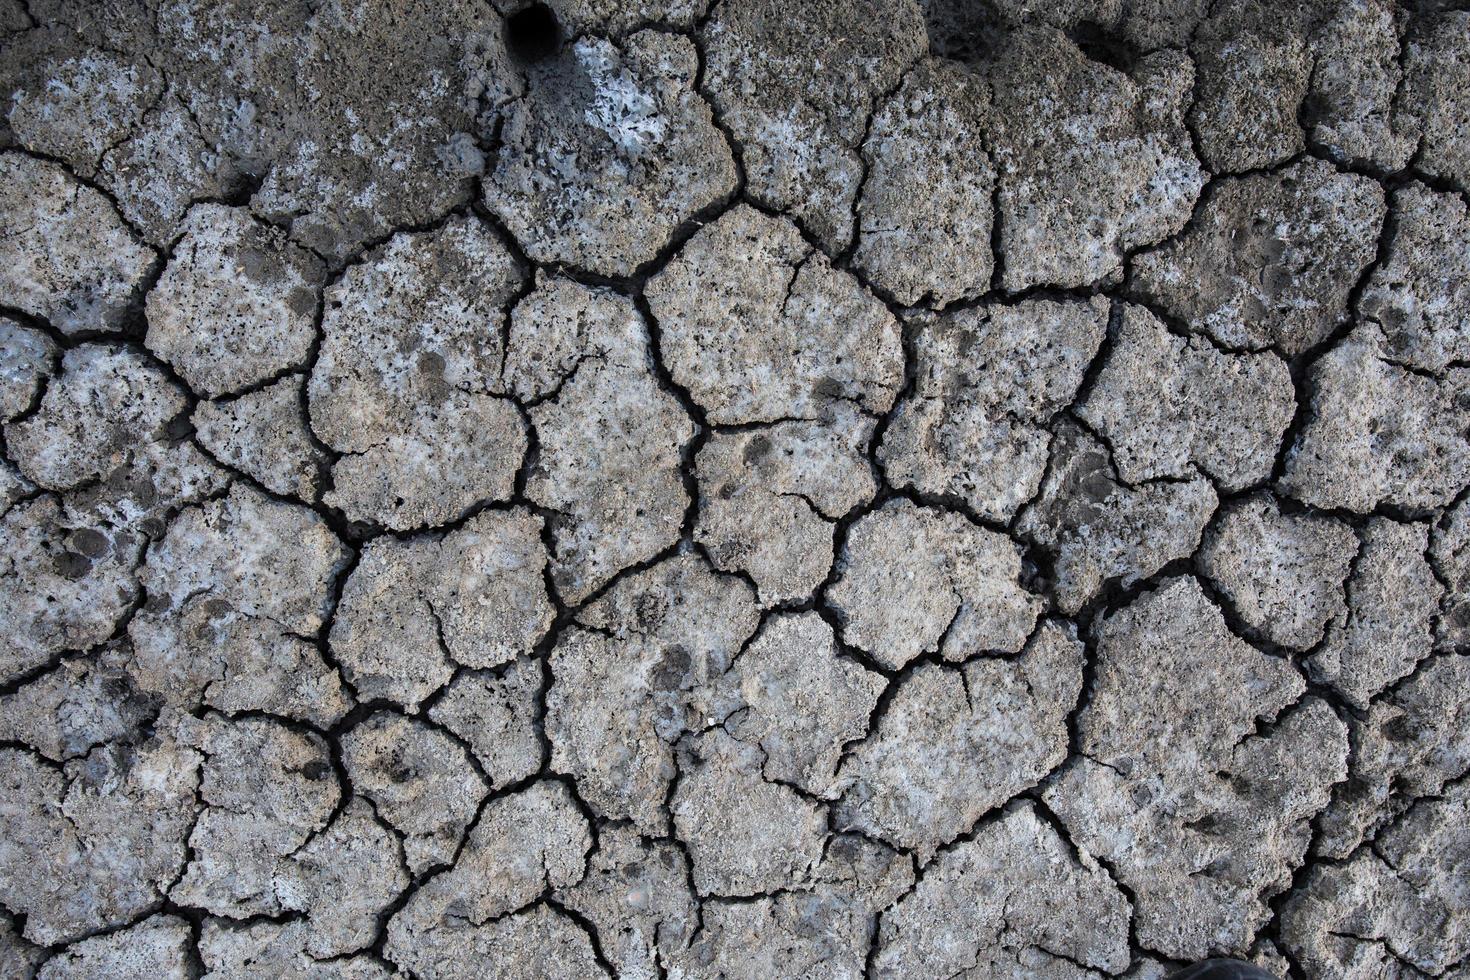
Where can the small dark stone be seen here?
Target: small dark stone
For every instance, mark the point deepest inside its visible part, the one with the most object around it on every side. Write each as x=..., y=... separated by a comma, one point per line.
x=671, y=670
x=1098, y=487
x=830, y=388
x=88, y=542
x=431, y=364
x=650, y=610
x=301, y=301
x=757, y=448
x=71, y=565
x=256, y=263
x=145, y=494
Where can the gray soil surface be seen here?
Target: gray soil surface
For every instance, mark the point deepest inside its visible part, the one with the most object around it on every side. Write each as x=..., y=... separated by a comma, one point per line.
x=734, y=488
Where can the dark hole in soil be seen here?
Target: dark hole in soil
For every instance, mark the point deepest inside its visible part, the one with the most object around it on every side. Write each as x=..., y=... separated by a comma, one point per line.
x=1104, y=48
x=532, y=33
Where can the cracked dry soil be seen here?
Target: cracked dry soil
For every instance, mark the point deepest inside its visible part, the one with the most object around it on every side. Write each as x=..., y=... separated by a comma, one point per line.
x=734, y=488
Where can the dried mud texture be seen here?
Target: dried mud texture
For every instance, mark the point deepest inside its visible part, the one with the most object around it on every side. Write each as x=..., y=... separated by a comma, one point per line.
x=608, y=153
x=734, y=489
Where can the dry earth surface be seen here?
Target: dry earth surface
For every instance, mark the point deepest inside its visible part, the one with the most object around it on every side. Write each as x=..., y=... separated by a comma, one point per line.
x=751, y=488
